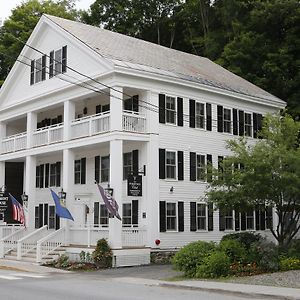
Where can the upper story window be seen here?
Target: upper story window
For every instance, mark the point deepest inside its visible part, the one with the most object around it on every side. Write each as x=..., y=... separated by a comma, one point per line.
x=170, y=110
x=127, y=164
x=171, y=164
x=100, y=215
x=201, y=216
x=132, y=104
x=80, y=171
x=38, y=70
x=171, y=216
x=105, y=168
x=227, y=120
x=48, y=175
x=199, y=115
x=58, y=62
x=201, y=168
x=248, y=125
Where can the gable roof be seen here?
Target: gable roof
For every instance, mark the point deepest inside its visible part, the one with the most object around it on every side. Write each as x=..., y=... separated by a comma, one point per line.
x=134, y=53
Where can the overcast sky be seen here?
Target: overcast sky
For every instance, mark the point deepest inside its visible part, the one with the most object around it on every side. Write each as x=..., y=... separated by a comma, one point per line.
x=7, y=5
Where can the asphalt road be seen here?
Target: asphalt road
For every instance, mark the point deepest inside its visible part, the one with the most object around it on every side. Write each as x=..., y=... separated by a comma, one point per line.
x=108, y=285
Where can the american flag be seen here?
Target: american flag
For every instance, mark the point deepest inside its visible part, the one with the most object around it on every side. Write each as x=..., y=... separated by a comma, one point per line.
x=18, y=211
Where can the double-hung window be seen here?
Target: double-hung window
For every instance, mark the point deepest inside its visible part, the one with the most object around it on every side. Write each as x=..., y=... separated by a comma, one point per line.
x=171, y=164
x=228, y=220
x=199, y=115
x=170, y=110
x=171, y=216
x=250, y=220
x=201, y=216
x=227, y=120
x=38, y=70
x=58, y=62
x=105, y=169
x=53, y=175
x=127, y=164
x=80, y=171
x=201, y=168
x=126, y=220
x=248, y=125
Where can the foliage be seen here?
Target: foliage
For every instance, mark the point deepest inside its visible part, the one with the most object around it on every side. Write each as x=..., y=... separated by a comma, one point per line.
x=245, y=238
x=234, y=250
x=244, y=269
x=270, y=177
x=102, y=255
x=217, y=264
x=85, y=257
x=62, y=262
x=288, y=263
x=21, y=24
x=190, y=256
x=294, y=249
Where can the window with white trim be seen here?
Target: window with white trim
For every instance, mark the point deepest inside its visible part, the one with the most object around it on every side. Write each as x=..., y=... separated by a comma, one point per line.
x=58, y=62
x=200, y=115
x=53, y=175
x=201, y=216
x=103, y=219
x=170, y=110
x=105, y=168
x=171, y=164
x=201, y=167
x=228, y=220
x=127, y=164
x=171, y=216
x=250, y=220
x=127, y=215
x=248, y=125
x=38, y=70
x=227, y=120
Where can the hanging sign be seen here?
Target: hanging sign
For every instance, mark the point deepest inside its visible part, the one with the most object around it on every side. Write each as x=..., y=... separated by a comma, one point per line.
x=3, y=202
x=134, y=185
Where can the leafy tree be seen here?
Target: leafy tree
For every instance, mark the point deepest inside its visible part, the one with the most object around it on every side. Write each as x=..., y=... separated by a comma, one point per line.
x=270, y=176
x=21, y=24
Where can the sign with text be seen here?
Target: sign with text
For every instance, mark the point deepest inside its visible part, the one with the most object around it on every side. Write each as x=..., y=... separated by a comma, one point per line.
x=3, y=203
x=134, y=185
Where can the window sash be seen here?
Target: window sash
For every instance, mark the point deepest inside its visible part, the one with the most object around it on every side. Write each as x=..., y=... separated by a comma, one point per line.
x=248, y=125
x=51, y=217
x=38, y=70
x=228, y=220
x=127, y=215
x=250, y=220
x=171, y=216
x=53, y=174
x=105, y=168
x=201, y=168
x=171, y=164
x=103, y=217
x=227, y=120
x=200, y=115
x=170, y=110
x=58, y=62
x=127, y=164
x=77, y=171
x=201, y=216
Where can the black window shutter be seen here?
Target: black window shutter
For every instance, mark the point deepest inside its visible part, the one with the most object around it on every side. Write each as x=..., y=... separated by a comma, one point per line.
x=237, y=221
x=59, y=119
x=162, y=163
x=254, y=125
x=135, y=103
x=64, y=59
x=98, y=109
x=47, y=175
x=162, y=216
x=208, y=117
x=235, y=122
x=221, y=220
x=57, y=222
x=241, y=122
x=180, y=216
x=96, y=213
x=41, y=215
x=257, y=219
x=269, y=217
x=51, y=65
x=97, y=168
x=162, y=108
x=32, y=72
x=220, y=167
x=193, y=221
x=46, y=214
x=243, y=221
x=210, y=217
x=180, y=160
x=192, y=113
x=83, y=170
x=41, y=176
x=179, y=111
x=58, y=172
x=209, y=167
x=135, y=212
x=259, y=123
x=192, y=166
x=37, y=174
x=262, y=220
x=43, y=67
x=220, y=118
x=135, y=162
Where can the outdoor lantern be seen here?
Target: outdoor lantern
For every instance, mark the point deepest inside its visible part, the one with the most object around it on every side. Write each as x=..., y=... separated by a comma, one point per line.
x=109, y=190
x=3, y=189
x=62, y=195
x=24, y=198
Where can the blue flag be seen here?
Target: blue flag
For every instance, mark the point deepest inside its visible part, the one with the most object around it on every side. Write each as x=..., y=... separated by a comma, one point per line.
x=61, y=210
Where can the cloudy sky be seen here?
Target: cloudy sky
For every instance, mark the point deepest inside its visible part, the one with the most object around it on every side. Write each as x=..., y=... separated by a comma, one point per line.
x=7, y=5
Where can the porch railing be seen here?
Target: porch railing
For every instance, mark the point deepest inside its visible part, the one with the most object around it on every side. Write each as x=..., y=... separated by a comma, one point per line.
x=10, y=242
x=48, y=135
x=29, y=242
x=14, y=142
x=50, y=243
x=87, y=235
x=133, y=237
x=6, y=230
x=90, y=125
x=134, y=122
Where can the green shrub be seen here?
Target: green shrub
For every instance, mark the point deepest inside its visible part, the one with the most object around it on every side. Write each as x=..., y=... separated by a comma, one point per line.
x=234, y=250
x=189, y=257
x=294, y=249
x=245, y=238
x=102, y=255
x=217, y=264
x=289, y=263
x=62, y=262
x=85, y=257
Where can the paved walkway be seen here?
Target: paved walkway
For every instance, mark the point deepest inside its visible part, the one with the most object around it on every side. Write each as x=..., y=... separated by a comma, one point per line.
x=157, y=275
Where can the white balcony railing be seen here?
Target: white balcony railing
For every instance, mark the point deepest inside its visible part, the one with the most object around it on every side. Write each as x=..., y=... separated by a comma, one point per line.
x=90, y=125
x=88, y=235
x=134, y=122
x=48, y=135
x=14, y=142
x=133, y=237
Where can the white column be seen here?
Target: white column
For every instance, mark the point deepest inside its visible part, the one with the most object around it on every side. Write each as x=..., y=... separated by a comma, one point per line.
x=31, y=126
x=68, y=185
x=116, y=109
x=2, y=133
x=30, y=190
x=2, y=173
x=116, y=181
x=69, y=114
x=152, y=174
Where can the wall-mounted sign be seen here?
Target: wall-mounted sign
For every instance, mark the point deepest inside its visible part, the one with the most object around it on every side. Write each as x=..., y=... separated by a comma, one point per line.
x=134, y=185
x=3, y=202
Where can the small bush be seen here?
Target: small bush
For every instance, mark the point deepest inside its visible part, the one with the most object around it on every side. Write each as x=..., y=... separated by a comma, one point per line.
x=217, y=264
x=289, y=263
x=85, y=257
x=234, y=250
x=247, y=269
x=189, y=257
x=294, y=249
x=245, y=238
x=62, y=262
x=102, y=255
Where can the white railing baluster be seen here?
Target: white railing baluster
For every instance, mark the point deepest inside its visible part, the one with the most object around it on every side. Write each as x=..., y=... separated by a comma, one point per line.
x=133, y=237
x=134, y=122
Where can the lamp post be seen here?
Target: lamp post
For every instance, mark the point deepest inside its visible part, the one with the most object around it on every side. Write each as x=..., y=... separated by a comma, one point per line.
x=24, y=198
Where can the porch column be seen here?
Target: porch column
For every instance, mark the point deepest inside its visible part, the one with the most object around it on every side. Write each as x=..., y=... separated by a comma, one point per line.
x=2, y=133
x=31, y=126
x=116, y=109
x=30, y=190
x=2, y=173
x=116, y=181
x=69, y=114
x=68, y=186
x=152, y=178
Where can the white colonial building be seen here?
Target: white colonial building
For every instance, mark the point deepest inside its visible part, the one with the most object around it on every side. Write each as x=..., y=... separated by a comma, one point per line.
x=84, y=104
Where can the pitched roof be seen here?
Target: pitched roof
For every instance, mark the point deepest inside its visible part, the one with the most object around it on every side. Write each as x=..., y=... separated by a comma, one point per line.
x=135, y=53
